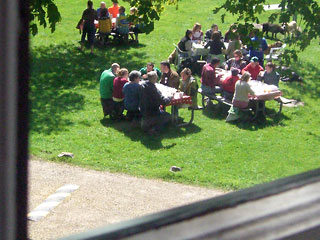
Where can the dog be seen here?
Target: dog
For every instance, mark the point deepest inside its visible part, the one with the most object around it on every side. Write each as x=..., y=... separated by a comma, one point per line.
x=273, y=28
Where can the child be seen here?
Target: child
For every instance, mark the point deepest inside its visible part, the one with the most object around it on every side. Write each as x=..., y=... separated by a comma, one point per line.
x=117, y=94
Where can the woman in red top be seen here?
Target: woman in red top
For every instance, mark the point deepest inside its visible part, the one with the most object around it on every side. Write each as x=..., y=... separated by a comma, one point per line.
x=253, y=68
x=117, y=94
x=228, y=84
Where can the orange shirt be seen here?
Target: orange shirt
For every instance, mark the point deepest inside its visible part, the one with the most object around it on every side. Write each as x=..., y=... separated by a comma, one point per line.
x=114, y=10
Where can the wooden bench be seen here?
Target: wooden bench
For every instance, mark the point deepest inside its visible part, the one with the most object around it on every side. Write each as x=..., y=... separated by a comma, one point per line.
x=209, y=97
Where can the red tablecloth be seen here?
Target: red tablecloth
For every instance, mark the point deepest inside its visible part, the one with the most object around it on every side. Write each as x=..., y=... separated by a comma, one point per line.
x=181, y=100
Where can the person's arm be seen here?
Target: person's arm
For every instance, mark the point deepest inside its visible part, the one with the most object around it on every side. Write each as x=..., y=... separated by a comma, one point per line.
x=264, y=44
x=208, y=44
x=245, y=69
x=96, y=15
x=251, y=92
x=176, y=81
x=188, y=45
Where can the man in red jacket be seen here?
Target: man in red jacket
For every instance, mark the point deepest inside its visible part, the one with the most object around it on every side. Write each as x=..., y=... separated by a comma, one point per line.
x=253, y=68
x=209, y=80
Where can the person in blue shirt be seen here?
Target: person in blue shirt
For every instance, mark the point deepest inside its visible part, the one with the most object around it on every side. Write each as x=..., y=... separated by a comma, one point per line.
x=258, y=46
x=131, y=91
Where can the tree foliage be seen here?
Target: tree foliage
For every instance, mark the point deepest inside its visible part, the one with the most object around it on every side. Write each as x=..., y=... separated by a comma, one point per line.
x=307, y=12
x=46, y=12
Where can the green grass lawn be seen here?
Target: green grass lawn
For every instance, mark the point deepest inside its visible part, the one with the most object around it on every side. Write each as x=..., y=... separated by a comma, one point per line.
x=66, y=114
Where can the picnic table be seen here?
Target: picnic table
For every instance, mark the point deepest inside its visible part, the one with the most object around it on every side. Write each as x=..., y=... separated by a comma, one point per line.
x=262, y=93
x=178, y=100
x=198, y=49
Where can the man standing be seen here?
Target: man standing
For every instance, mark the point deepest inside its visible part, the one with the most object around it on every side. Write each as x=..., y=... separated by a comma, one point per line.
x=106, y=88
x=150, y=67
x=259, y=45
x=169, y=78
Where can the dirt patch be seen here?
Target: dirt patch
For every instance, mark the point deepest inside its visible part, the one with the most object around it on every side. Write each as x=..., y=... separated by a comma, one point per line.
x=103, y=198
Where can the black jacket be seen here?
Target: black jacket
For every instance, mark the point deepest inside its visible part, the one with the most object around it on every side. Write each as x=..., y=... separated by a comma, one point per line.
x=151, y=99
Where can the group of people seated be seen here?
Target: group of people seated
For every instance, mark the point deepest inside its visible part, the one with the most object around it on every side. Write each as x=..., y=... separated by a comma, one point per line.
x=137, y=93
x=105, y=20
x=235, y=87
x=219, y=46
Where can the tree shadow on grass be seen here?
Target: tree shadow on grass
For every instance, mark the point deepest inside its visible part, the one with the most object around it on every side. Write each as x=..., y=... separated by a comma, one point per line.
x=220, y=112
x=151, y=142
x=60, y=72
x=310, y=86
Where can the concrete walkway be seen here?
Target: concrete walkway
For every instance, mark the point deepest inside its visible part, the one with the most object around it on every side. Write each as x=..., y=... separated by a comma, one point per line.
x=103, y=198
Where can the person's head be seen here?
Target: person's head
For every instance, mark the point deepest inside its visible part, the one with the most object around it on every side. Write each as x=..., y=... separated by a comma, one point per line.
x=90, y=4
x=215, y=35
x=270, y=67
x=188, y=33
x=214, y=27
x=134, y=76
x=133, y=11
x=234, y=72
x=185, y=74
x=152, y=77
x=122, y=10
x=245, y=77
x=102, y=5
x=254, y=61
x=115, y=68
x=150, y=67
x=165, y=66
x=115, y=2
x=237, y=54
x=196, y=27
x=215, y=62
x=123, y=73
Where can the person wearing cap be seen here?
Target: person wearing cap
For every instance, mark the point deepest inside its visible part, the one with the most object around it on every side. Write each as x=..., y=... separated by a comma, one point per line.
x=228, y=84
x=106, y=88
x=209, y=80
x=114, y=9
x=253, y=68
x=150, y=67
x=169, y=78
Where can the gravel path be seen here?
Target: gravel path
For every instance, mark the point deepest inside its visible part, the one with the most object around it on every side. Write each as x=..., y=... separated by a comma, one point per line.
x=103, y=198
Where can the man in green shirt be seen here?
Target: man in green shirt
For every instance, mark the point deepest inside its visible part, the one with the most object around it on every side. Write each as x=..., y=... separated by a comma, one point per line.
x=150, y=67
x=106, y=88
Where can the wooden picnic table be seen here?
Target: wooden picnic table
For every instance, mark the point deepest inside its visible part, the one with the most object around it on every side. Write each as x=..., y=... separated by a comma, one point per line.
x=178, y=100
